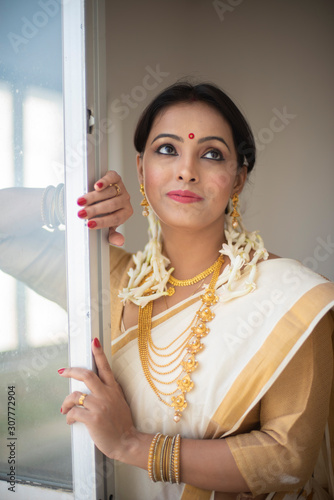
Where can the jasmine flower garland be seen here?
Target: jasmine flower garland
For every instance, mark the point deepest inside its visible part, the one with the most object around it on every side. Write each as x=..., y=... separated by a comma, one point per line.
x=151, y=264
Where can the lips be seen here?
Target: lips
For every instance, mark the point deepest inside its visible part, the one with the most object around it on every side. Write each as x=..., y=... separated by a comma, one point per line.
x=184, y=196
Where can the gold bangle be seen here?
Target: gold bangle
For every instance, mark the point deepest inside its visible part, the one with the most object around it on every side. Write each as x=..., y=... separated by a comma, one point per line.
x=171, y=475
x=176, y=459
x=156, y=459
x=151, y=456
x=164, y=459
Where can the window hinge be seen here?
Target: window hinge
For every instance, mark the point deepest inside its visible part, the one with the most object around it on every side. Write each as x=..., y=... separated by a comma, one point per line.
x=90, y=121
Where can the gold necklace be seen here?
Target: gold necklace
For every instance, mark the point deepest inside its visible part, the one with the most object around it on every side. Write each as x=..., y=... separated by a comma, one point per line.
x=191, y=281
x=184, y=347
x=200, y=283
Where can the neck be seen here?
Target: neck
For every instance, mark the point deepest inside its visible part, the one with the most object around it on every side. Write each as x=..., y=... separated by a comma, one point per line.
x=190, y=253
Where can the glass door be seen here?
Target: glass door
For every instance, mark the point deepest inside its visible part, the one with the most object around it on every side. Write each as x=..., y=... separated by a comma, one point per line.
x=35, y=445
x=52, y=287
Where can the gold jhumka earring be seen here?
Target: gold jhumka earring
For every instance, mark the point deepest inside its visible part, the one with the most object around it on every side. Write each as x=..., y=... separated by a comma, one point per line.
x=235, y=214
x=144, y=202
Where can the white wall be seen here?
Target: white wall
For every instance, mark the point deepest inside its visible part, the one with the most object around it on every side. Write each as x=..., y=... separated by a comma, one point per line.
x=268, y=55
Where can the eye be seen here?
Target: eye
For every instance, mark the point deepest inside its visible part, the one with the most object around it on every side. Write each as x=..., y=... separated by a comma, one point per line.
x=214, y=154
x=166, y=149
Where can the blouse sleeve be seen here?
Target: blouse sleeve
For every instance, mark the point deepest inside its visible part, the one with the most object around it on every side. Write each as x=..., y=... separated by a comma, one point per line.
x=281, y=455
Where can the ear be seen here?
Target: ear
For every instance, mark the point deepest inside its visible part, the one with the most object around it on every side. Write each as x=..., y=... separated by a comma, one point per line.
x=140, y=168
x=240, y=179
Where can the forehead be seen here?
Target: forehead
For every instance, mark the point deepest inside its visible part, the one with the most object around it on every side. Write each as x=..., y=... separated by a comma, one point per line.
x=197, y=117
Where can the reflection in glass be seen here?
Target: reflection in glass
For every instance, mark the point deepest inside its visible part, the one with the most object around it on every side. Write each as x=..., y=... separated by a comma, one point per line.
x=33, y=327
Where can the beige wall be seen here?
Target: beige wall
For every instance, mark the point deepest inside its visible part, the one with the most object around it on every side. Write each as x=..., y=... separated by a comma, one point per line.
x=269, y=55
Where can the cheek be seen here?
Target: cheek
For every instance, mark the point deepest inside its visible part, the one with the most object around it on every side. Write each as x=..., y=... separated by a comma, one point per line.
x=152, y=178
x=219, y=186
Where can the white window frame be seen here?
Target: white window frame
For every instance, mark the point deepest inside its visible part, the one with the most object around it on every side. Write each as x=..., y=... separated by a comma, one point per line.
x=87, y=251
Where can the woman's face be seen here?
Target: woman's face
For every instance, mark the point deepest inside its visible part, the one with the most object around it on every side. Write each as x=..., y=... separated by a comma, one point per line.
x=189, y=167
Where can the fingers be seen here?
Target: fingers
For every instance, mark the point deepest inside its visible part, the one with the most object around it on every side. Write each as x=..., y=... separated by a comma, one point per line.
x=103, y=190
x=102, y=364
x=111, y=177
x=112, y=220
x=90, y=379
x=94, y=382
x=115, y=238
x=107, y=206
x=103, y=207
x=73, y=399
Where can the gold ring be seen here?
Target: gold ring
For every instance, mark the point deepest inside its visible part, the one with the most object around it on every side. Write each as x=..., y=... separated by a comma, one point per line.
x=82, y=399
x=118, y=189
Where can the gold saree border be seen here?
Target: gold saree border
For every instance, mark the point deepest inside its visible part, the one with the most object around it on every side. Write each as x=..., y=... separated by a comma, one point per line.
x=278, y=344
x=284, y=335
x=133, y=333
x=193, y=493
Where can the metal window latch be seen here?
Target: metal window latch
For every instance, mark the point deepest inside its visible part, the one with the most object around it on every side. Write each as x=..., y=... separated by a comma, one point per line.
x=90, y=121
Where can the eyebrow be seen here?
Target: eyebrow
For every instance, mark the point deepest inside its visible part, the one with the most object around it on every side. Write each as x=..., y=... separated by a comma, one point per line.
x=213, y=137
x=204, y=139
x=172, y=136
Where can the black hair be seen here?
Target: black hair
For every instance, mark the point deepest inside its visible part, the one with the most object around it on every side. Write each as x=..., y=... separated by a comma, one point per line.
x=185, y=92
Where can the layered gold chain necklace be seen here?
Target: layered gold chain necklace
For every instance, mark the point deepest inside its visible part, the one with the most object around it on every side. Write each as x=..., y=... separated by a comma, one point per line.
x=183, y=348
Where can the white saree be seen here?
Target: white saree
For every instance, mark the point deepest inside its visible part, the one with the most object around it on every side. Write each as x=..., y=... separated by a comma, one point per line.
x=258, y=346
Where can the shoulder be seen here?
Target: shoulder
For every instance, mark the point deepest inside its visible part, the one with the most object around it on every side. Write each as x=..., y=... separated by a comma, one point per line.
x=294, y=280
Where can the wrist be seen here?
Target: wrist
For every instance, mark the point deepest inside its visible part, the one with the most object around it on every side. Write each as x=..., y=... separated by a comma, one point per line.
x=135, y=447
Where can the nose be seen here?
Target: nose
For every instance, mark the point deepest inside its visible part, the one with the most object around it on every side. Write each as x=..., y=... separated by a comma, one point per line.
x=187, y=171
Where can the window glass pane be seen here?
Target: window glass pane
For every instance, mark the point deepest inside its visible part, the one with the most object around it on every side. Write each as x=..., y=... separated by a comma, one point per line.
x=33, y=327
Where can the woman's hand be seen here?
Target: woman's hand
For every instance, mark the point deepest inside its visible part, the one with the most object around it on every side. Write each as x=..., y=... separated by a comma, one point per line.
x=107, y=206
x=105, y=412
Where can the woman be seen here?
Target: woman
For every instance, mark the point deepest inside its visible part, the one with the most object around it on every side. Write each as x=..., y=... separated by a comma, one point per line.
x=215, y=339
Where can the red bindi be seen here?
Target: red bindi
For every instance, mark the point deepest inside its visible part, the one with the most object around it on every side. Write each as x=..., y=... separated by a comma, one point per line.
x=191, y=136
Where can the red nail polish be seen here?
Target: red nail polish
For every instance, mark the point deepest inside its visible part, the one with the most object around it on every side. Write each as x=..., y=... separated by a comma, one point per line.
x=61, y=410
x=61, y=370
x=81, y=201
x=91, y=224
x=82, y=214
x=96, y=342
x=99, y=185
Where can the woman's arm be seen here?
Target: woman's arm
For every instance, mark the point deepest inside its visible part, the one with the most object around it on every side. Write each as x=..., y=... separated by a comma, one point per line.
x=36, y=256
x=105, y=205
x=236, y=464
